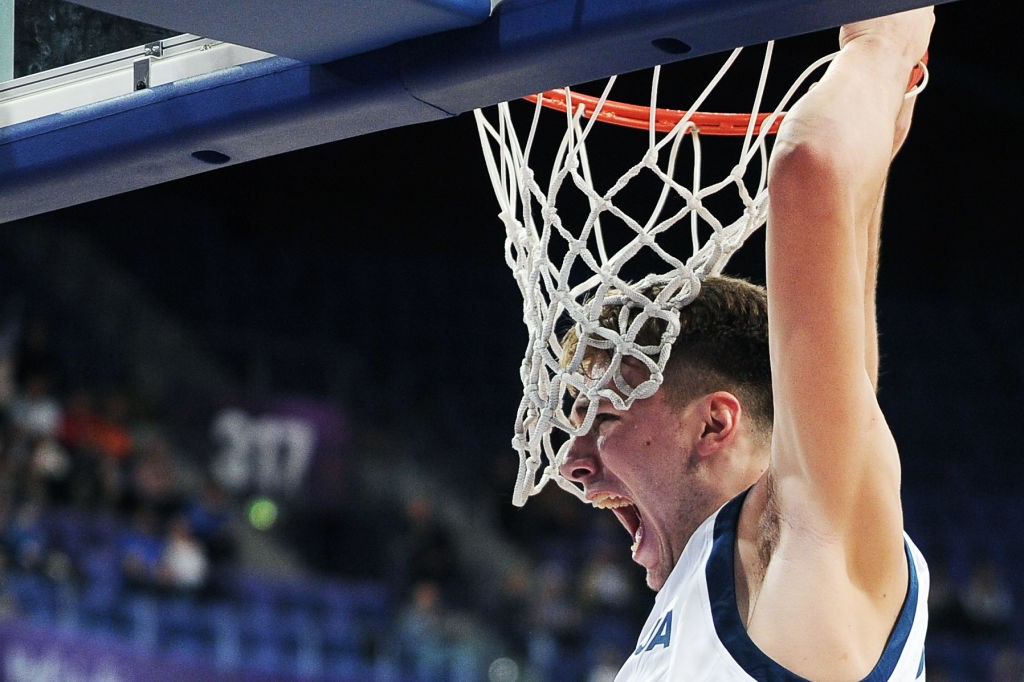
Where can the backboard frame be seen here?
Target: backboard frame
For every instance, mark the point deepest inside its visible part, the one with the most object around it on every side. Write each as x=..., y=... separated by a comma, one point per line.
x=278, y=104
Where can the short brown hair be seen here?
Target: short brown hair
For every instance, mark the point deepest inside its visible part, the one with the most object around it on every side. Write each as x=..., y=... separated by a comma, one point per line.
x=722, y=345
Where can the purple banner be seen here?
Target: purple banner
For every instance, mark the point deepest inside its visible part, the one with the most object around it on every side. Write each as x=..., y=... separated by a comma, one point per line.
x=32, y=653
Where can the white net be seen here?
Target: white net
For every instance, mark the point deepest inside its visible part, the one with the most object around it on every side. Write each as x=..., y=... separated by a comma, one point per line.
x=571, y=263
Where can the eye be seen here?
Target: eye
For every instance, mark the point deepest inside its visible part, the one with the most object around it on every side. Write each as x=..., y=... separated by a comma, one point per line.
x=603, y=418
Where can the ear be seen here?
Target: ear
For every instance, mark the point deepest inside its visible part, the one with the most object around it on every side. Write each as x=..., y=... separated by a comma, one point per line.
x=721, y=412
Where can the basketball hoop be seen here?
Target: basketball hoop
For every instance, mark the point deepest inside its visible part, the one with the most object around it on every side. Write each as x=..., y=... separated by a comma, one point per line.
x=639, y=116
x=568, y=271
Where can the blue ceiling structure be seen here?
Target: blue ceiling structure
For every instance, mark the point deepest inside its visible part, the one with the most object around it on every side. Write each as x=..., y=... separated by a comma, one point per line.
x=348, y=68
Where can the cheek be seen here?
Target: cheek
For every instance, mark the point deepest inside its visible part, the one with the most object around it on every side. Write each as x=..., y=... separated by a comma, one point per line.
x=638, y=440
x=630, y=444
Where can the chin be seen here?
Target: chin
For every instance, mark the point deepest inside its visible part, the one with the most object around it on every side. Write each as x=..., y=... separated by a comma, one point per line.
x=655, y=579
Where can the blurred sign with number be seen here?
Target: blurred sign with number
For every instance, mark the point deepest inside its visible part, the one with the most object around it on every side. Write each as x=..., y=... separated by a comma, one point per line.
x=286, y=447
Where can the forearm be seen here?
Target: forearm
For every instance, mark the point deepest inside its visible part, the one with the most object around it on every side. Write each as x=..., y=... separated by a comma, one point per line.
x=873, y=244
x=826, y=182
x=834, y=152
x=847, y=122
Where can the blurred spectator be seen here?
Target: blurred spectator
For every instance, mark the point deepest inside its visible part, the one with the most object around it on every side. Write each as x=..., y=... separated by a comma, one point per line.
x=556, y=517
x=945, y=610
x=471, y=648
x=421, y=633
x=607, y=666
x=110, y=433
x=79, y=421
x=438, y=644
x=49, y=469
x=96, y=475
x=141, y=550
x=25, y=539
x=10, y=335
x=425, y=549
x=5, y=520
x=104, y=433
x=8, y=468
x=209, y=515
x=1008, y=665
x=154, y=480
x=27, y=545
x=556, y=632
x=607, y=585
x=511, y=609
x=7, y=383
x=33, y=411
x=183, y=566
x=987, y=600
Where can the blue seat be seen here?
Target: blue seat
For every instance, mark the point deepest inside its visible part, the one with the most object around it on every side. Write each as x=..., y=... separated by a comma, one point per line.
x=269, y=657
x=35, y=596
x=342, y=636
x=347, y=668
x=186, y=626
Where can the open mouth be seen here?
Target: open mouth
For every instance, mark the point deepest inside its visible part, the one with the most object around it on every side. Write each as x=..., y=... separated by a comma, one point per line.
x=627, y=514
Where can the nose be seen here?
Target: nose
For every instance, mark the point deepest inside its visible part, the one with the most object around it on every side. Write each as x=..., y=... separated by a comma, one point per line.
x=580, y=458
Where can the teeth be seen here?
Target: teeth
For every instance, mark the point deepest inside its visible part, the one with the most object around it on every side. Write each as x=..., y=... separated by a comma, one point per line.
x=609, y=501
x=637, y=537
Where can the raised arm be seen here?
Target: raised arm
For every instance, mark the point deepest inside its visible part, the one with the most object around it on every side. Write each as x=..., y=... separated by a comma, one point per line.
x=871, y=359
x=834, y=463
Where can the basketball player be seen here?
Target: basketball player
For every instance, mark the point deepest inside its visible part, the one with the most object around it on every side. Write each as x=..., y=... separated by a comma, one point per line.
x=772, y=528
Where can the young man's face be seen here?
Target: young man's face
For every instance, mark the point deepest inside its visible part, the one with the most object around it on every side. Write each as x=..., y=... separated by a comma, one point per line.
x=640, y=464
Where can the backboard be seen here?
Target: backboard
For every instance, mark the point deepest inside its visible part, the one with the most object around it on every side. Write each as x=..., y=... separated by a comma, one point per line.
x=269, y=77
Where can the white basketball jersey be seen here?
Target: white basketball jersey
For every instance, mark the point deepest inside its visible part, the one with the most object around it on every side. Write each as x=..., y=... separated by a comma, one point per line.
x=695, y=634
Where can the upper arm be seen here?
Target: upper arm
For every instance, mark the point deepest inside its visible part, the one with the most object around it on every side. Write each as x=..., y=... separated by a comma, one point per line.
x=833, y=456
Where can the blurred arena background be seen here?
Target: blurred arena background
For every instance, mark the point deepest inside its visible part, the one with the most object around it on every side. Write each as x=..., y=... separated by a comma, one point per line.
x=256, y=422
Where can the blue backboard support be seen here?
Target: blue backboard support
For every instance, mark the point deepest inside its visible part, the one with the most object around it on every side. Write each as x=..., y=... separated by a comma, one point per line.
x=313, y=31
x=341, y=73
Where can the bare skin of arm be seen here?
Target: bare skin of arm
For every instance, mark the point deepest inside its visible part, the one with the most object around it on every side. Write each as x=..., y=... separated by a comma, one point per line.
x=828, y=509
x=871, y=358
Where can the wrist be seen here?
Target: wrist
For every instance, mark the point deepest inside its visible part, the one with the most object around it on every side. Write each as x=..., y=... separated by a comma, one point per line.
x=885, y=57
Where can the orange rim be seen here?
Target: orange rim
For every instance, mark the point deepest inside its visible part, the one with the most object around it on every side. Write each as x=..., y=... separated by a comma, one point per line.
x=639, y=116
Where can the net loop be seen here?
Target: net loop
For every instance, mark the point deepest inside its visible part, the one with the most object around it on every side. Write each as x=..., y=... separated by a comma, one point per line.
x=572, y=263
